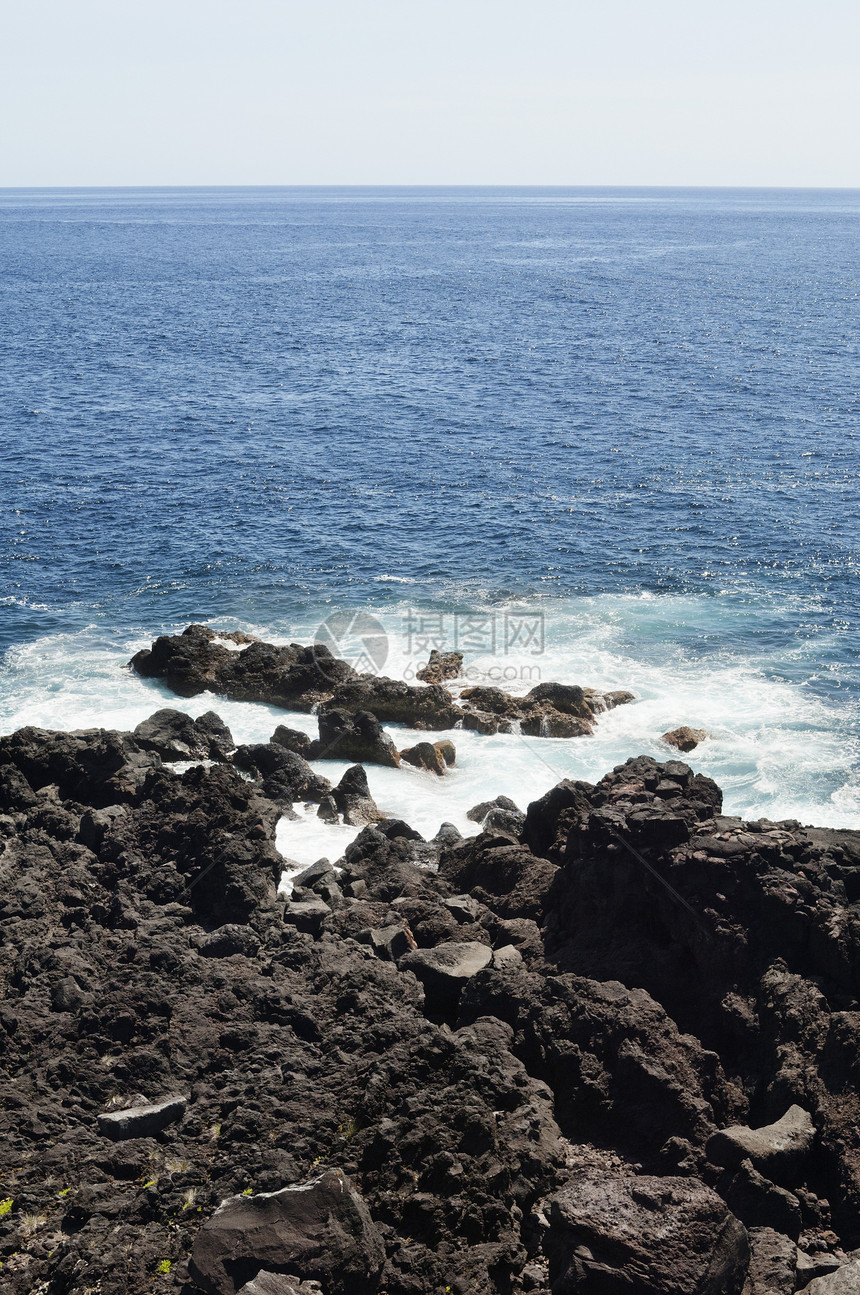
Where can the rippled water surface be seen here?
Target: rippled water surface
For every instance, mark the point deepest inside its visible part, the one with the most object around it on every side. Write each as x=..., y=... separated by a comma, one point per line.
x=632, y=413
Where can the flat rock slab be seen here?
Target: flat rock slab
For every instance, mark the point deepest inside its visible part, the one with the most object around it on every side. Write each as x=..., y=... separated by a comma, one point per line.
x=266, y=1283
x=630, y=1235
x=444, y=970
x=844, y=1281
x=306, y=914
x=141, y=1121
x=776, y=1150
x=320, y=1230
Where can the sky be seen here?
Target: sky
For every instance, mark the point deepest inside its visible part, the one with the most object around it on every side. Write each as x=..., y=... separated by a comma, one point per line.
x=567, y=92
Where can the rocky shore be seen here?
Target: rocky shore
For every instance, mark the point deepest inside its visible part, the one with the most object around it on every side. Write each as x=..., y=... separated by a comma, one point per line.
x=307, y=679
x=609, y=1045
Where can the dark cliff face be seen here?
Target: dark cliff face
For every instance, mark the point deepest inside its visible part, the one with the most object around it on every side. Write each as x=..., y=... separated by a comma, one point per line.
x=490, y=1066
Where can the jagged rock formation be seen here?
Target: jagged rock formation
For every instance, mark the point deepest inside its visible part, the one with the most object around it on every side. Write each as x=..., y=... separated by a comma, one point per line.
x=615, y=1050
x=310, y=678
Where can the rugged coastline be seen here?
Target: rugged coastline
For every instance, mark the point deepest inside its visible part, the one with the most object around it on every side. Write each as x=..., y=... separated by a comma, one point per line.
x=610, y=1044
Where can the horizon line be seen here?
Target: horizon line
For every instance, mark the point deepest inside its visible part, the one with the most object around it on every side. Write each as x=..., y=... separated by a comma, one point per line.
x=755, y=188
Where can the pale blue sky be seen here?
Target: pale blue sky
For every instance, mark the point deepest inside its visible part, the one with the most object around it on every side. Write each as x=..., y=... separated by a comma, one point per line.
x=126, y=92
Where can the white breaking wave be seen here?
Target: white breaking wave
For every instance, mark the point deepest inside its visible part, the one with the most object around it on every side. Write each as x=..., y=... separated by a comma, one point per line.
x=775, y=747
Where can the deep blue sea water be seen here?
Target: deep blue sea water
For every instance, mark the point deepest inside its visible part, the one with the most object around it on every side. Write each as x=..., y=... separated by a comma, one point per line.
x=630, y=413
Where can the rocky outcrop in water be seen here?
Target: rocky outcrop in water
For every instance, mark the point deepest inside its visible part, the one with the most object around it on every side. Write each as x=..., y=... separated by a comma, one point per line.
x=615, y=1051
x=311, y=678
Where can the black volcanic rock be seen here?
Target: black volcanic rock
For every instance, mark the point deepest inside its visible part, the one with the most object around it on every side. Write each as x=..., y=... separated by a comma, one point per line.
x=319, y=1229
x=359, y=736
x=353, y=799
x=604, y=1102
x=627, y=1235
x=176, y=736
x=286, y=777
x=308, y=678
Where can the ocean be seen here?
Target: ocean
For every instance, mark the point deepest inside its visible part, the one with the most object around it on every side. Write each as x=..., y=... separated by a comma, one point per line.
x=600, y=436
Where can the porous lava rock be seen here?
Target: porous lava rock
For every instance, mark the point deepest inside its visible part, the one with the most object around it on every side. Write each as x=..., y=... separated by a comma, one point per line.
x=656, y=986
x=685, y=738
x=299, y=678
x=634, y=1235
x=441, y=666
x=320, y=1229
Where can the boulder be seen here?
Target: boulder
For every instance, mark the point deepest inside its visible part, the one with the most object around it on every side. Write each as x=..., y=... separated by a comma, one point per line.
x=507, y=958
x=506, y=824
x=507, y=878
x=286, y=776
x=141, y=1121
x=328, y=810
x=441, y=666
x=424, y=755
x=268, y=1283
x=176, y=736
x=444, y=970
x=569, y=699
x=422, y=706
x=478, y=813
x=550, y=819
x=353, y=799
x=230, y=939
x=447, y=835
x=684, y=738
x=552, y=723
x=759, y=1202
x=777, y=1150
x=306, y=914
x=198, y=660
x=626, y=1235
x=820, y=1264
x=845, y=1280
x=773, y=1263
x=359, y=736
x=294, y=740
x=618, y=697
x=320, y=1230
x=389, y=942
x=463, y=907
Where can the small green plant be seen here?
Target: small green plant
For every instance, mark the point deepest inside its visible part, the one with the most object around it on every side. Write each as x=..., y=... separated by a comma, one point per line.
x=189, y=1197
x=249, y=1191
x=348, y=1129
x=164, y=1267
x=5, y=1206
x=64, y=1191
x=152, y=1183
